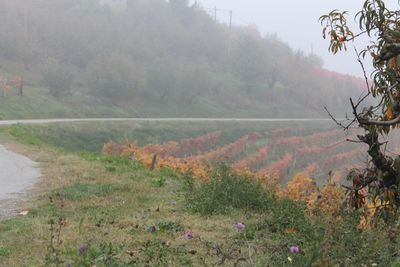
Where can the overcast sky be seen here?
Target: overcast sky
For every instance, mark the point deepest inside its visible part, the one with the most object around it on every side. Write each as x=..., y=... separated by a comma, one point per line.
x=296, y=23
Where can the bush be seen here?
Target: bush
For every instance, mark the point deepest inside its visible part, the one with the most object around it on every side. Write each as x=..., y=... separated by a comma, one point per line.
x=114, y=77
x=226, y=191
x=57, y=79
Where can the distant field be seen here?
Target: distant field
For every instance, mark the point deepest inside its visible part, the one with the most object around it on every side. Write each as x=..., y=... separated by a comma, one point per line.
x=282, y=148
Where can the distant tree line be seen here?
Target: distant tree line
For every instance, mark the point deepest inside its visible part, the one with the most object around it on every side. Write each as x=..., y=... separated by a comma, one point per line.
x=161, y=52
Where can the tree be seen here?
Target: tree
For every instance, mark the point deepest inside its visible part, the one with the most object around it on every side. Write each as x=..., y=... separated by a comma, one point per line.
x=161, y=79
x=382, y=26
x=194, y=83
x=57, y=79
x=248, y=59
x=114, y=77
x=179, y=3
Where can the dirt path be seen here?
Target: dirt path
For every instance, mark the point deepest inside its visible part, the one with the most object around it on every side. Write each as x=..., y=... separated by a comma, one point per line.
x=18, y=174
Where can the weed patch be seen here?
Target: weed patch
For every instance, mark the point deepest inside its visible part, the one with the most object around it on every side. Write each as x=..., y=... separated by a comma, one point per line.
x=226, y=191
x=159, y=182
x=80, y=191
x=169, y=227
x=4, y=251
x=119, y=164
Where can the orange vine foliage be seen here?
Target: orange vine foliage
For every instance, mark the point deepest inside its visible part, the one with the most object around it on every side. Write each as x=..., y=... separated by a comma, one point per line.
x=168, y=148
x=389, y=113
x=198, y=165
x=200, y=144
x=253, y=160
x=295, y=140
x=187, y=146
x=302, y=185
x=279, y=132
x=196, y=155
x=342, y=157
x=306, y=150
x=225, y=152
x=373, y=207
x=277, y=168
x=329, y=201
x=337, y=176
x=134, y=152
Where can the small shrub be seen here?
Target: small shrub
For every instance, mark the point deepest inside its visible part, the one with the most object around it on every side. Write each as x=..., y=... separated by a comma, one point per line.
x=249, y=233
x=169, y=227
x=57, y=79
x=4, y=251
x=159, y=182
x=287, y=214
x=226, y=191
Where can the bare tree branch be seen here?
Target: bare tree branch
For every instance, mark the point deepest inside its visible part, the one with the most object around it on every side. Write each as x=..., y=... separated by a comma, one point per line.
x=355, y=36
x=345, y=127
x=365, y=184
x=362, y=118
x=364, y=71
x=355, y=111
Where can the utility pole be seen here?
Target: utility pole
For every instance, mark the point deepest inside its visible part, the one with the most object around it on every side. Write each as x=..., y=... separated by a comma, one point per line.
x=215, y=11
x=230, y=33
x=230, y=19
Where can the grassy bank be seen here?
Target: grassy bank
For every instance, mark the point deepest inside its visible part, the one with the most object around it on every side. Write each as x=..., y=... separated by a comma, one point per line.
x=110, y=211
x=90, y=136
x=38, y=104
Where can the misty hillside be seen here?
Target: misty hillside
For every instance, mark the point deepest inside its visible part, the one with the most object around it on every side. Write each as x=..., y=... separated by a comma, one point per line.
x=154, y=58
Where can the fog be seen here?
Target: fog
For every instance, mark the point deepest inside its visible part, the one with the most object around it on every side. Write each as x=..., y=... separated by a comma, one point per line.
x=296, y=22
x=113, y=58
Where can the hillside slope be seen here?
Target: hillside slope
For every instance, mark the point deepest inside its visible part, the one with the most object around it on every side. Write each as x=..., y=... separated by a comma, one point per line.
x=154, y=58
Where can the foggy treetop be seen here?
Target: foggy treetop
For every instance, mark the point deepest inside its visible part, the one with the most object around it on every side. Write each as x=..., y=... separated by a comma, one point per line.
x=161, y=53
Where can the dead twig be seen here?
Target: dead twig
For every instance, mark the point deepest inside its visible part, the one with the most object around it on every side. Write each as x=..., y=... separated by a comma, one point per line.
x=340, y=124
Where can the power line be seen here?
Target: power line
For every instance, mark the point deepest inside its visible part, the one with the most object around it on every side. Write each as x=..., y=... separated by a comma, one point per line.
x=215, y=13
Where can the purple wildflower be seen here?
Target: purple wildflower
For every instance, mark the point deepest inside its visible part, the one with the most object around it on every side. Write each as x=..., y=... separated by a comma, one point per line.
x=82, y=249
x=240, y=226
x=294, y=249
x=153, y=229
x=188, y=235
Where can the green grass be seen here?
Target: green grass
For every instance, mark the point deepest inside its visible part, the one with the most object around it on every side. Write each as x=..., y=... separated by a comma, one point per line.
x=24, y=135
x=37, y=103
x=4, y=251
x=227, y=191
x=81, y=191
